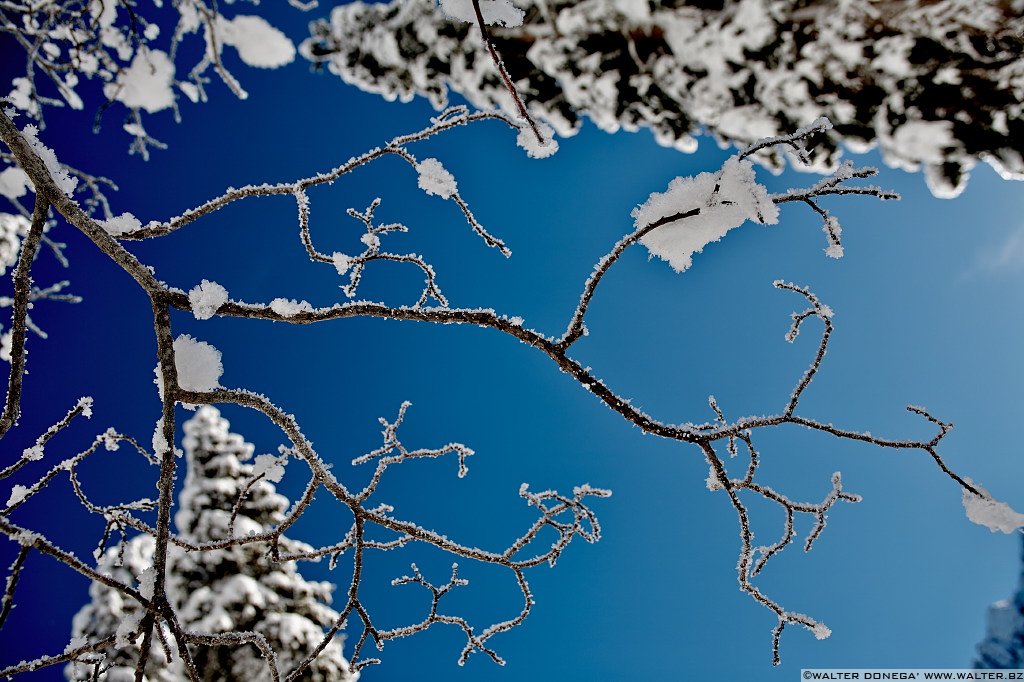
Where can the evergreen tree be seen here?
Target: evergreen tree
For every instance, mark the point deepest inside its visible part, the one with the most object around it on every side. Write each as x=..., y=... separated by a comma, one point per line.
x=934, y=84
x=1003, y=645
x=112, y=613
x=239, y=588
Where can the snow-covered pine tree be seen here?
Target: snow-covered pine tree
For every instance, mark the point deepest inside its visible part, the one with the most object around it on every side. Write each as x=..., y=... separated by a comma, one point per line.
x=236, y=589
x=1003, y=645
x=930, y=83
x=111, y=613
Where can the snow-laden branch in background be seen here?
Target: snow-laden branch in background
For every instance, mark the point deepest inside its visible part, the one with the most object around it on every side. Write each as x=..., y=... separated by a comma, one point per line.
x=932, y=85
x=689, y=215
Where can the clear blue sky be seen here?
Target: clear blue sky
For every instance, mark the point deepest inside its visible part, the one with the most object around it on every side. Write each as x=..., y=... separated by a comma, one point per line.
x=927, y=302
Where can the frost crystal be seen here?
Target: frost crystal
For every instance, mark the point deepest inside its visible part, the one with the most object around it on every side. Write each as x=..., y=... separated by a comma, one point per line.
x=198, y=364
x=206, y=297
x=985, y=511
x=435, y=179
x=722, y=201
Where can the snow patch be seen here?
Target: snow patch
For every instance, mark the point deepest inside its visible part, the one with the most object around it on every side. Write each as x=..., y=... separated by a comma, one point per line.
x=12, y=229
x=535, y=149
x=707, y=206
x=272, y=467
x=146, y=84
x=258, y=43
x=14, y=183
x=18, y=493
x=118, y=225
x=993, y=514
x=342, y=262
x=494, y=12
x=287, y=307
x=198, y=364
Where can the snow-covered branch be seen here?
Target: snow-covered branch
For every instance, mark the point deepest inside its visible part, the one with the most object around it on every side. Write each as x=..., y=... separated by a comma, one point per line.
x=229, y=510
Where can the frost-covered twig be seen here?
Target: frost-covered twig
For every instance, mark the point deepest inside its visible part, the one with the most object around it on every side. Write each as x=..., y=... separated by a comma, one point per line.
x=505, y=78
x=83, y=406
x=14, y=572
x=22, y=290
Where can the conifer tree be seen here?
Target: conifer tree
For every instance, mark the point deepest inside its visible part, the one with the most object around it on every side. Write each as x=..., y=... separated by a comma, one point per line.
x=1003, y=645
x=235, y=589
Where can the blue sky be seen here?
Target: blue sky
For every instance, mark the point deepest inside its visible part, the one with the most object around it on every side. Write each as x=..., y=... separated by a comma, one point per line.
x=927, y=305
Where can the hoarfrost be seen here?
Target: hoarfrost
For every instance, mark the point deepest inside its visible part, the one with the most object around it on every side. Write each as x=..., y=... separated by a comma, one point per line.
x=536, y=149
x=118, y=225
x=160, y=444
x=65, y=183
x=76, y=643
x=833, y=230
x=435, y=179
x=288, y=307
x=206, y=297
x=109, y=439
x=342, y=262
